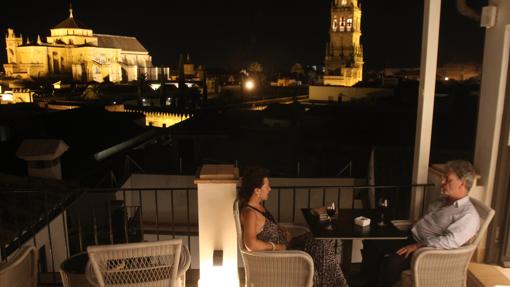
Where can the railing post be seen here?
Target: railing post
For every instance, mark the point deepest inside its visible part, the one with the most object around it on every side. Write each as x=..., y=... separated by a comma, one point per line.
x=3, y=253
x=172, y=218
x=48, y=227
x=125, y=217
x=140, y=203
x=216, y=227
x=156, y=203
x=94, y=226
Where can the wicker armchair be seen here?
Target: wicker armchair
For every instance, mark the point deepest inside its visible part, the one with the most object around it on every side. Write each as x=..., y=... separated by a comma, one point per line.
x=159, y=263
x=21, y=269
x=438, y=267
x=274, y=268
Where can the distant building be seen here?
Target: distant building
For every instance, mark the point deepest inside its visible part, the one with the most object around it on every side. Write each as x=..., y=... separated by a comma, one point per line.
x=285, y=82
x=16, y=96
x=344, y=53
x=73, y=50
x=458, y=72
x=346, y=94
x=402, y=73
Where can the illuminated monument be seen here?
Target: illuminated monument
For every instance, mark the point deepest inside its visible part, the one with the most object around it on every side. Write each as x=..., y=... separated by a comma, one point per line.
x=344, y=53
x=73, y=50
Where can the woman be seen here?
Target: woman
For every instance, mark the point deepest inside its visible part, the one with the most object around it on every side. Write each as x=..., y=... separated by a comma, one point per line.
x=262, y=233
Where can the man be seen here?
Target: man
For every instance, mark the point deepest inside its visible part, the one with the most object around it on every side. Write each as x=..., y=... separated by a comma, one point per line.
x=449, y=223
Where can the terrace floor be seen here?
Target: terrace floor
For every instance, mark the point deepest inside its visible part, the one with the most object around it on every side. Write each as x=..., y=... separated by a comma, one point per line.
x=480, y=275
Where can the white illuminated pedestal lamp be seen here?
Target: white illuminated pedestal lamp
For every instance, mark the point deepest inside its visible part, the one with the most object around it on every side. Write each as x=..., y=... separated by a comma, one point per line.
x=216, y=227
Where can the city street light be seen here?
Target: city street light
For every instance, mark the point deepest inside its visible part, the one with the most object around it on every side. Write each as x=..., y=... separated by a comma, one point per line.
x=249, y=84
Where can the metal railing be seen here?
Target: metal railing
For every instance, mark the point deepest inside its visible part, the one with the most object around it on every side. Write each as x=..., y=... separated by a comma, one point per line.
x=109, y=216
x=90, y=217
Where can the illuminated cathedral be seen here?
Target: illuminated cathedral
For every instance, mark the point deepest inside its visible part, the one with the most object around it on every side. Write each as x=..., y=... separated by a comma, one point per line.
x=75, y=51
x=344, y=53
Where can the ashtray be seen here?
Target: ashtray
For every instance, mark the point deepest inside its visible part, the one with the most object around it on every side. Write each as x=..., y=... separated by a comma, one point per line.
x=362, y=221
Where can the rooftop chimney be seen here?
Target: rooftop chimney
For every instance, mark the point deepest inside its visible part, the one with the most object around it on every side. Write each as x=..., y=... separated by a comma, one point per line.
x=43, y=157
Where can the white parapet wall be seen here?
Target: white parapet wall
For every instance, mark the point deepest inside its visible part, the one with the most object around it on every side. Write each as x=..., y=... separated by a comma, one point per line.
x=345, y=94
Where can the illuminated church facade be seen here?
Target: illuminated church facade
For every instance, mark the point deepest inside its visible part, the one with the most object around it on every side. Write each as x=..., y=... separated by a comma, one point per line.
x=73, y=50
x=344, y=53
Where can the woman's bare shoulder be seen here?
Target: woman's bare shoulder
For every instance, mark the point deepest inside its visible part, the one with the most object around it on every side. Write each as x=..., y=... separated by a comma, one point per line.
x=248, y=214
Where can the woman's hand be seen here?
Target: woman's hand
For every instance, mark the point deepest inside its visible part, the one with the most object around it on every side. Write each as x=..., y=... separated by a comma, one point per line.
x=286, y=233
x=288, y=236
x=281, y=247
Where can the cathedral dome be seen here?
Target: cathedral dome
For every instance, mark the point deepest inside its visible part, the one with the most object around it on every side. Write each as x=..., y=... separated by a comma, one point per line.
x=70, y=23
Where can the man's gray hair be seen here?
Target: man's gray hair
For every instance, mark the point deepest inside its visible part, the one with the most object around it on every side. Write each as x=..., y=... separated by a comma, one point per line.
x=464, y=170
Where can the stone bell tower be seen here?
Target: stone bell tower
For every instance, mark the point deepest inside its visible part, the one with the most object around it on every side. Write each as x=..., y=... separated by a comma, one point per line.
x=344, y=53
x=11, y=44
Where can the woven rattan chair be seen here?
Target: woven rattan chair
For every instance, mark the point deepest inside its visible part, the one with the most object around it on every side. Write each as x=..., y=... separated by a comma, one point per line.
x=73, y=270
x=437, y=267
x=21, y=269
x=274, y=268
x=140, y=264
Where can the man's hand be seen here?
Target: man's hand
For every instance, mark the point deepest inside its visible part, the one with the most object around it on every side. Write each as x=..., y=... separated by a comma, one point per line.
x=408, y=249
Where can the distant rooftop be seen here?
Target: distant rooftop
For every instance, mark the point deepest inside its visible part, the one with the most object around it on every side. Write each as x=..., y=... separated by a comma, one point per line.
x=41, y=149
x=120, y=42
x=87, y=131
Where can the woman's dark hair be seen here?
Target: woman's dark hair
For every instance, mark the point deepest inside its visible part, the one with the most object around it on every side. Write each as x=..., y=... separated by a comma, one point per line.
x=253, y=177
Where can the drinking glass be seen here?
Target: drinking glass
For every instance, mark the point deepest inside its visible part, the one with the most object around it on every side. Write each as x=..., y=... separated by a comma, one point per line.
x=382, y=205
x=331, y=211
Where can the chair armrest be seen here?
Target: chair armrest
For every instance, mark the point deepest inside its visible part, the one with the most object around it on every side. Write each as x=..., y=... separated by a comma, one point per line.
x=280, y=268
x=433, y=267
x=90, y=275
x=427, y=253
x=281, y=254
x=184, y=261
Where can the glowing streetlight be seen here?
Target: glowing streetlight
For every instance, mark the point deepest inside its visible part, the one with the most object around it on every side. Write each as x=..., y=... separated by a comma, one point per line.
x=249, y=84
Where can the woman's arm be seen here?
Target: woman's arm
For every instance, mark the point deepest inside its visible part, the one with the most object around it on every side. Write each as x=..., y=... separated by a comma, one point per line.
x=249, y=223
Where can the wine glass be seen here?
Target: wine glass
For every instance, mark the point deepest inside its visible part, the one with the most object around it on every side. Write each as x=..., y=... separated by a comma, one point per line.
x=331, y=211
x=382, y=204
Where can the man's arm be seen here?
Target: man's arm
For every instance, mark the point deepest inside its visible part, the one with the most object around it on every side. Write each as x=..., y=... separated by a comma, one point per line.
x=458, y=233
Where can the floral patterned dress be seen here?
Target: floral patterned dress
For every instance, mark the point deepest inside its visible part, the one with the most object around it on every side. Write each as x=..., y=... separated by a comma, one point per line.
x=325, y=253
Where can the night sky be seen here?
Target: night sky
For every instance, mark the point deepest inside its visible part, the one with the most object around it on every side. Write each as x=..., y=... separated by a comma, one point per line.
x=277, y=33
